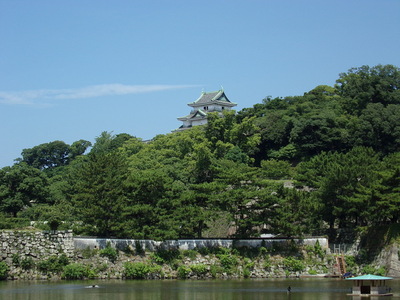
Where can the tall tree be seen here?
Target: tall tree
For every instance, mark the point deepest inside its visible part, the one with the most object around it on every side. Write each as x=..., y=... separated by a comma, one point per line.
x=218, y=127
x=201, y=165
x=196, y=209
x=323, y=131
x=99, y=191
x=79, y=147
x=337, y=178
x=47, y=155
x=378, y=127
x=382, y=197
x=55, y=154
x=295, y=213
x=363, y=85
x=246, y=136
x=20, y=186
x=143, y=212
x=248, y=201
x=103, y=143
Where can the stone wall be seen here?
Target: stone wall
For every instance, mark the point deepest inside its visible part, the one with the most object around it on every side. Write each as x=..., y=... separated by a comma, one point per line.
x=43, y=244
x=389, y=257
x=38, y=246
x=35, y=244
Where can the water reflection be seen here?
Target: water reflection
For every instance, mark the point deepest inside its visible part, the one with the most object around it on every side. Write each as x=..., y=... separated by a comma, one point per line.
x=274, y=289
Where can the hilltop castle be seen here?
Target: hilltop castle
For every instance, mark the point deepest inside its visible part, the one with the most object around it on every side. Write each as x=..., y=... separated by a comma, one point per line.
x=206, y=103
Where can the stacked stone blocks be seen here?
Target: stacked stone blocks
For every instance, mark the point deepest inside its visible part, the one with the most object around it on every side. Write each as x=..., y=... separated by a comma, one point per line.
x=35, y=244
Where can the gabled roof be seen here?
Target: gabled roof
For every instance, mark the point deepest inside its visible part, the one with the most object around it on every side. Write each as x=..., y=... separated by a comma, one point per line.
x=369, y=277
x=208, y=98
x=197, y=113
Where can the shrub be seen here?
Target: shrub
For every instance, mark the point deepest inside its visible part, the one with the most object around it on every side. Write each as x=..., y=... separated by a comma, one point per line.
x=90, y=273
x=248, y=266
x=293, y=247
x=162, y=256
x=136, y=270
x=362, y=257
x=267, y=262
x=183, y=272
x=199, y=269
x=350, y=262
x=246, y=272
x=54, y=264
x=213, y=250
x=16, y=259
x=156, y=258
x=54, y=221
x=109, y=252
x=293, y=265
x=175, y=264
x=139, y=249
x=368, y=269
x=192, y=254
x=89, y=253
x=13, y=223
x=215, y=270
x=228, y=261
x=3, y=270
x=128, y=250
x=206, y=251
x=263, y=250
x=380, y=271
x=27, y=263
x=309, y=249
x=154, y=269
x=63, y=259
x=277, y=247
x=102, y=267
x=317, y=250
x=44, y=266
x=249, y=252
x=77, y=271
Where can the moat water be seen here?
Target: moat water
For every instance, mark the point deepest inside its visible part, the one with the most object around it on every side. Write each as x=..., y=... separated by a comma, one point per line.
x=274, y=289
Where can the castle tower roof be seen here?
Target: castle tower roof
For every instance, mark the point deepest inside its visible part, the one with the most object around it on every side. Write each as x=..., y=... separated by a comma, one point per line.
x=206, y=103
x=217, y=97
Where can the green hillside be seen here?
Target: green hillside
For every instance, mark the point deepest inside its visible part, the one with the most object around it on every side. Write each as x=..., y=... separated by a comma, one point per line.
x=302, y=165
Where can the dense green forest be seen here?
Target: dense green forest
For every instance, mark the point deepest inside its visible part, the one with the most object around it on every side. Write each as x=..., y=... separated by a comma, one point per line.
x=292, y=166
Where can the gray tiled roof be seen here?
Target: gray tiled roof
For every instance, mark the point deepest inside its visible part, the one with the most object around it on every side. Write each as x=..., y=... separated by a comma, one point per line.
x=197, y=113
x=207, y=97
x=210, y=97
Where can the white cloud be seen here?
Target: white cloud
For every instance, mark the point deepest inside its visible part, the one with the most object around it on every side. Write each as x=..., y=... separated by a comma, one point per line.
x=31, y=97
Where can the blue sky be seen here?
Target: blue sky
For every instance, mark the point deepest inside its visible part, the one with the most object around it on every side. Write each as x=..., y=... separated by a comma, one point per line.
x=70, y=69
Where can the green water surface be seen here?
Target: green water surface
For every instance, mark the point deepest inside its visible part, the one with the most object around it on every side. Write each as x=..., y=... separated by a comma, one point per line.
x=274, y=289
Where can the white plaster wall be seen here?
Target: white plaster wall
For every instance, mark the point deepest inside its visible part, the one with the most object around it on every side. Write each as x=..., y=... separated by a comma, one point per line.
x=199, y=122
x=188, y=244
